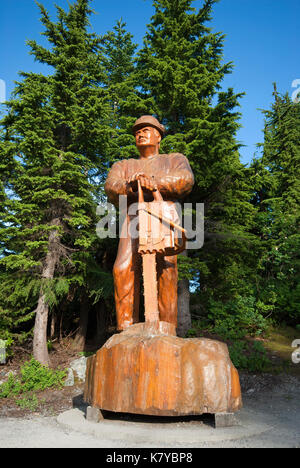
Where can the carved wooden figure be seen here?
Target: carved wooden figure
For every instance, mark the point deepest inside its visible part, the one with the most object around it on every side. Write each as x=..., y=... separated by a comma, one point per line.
x=172, y=177
x=147, y=369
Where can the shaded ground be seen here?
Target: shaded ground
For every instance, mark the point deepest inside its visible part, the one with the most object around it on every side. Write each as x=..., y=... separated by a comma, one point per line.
x=51, y=402
x=54, y=401
x=270, y=416
x=269, y=419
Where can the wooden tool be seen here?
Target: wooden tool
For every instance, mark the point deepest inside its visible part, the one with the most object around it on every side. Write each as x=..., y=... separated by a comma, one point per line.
x=156, y=236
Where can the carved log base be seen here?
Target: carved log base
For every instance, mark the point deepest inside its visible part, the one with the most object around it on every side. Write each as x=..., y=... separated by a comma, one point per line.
x=148, y=370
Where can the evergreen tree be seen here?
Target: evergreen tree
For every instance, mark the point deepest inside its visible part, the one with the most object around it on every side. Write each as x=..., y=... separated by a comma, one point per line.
x=119, y=62
x=277, y=198
x=54, y=138
x=181, y=69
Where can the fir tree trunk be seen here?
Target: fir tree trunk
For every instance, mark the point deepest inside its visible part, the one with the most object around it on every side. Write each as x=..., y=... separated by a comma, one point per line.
x=101, y=324
x=40, y=351
x=80, y=338
x=53, y=324
x=184, y=314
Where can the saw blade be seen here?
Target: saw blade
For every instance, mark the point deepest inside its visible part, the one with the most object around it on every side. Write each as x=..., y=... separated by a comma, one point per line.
x=150, y=287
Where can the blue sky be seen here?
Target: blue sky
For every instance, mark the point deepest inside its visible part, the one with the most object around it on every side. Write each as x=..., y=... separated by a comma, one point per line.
x=262, y=40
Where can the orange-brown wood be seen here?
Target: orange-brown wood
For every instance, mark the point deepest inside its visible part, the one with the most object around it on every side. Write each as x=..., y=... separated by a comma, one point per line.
x=156, y=181
x=150, y=287
x=148, y=370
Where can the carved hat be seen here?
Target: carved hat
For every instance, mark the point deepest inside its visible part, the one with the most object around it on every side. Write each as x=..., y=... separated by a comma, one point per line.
x=146, y=120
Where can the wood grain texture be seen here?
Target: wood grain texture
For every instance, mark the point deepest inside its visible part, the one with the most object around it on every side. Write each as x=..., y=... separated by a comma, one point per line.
x=150, y=287
x=148, y=370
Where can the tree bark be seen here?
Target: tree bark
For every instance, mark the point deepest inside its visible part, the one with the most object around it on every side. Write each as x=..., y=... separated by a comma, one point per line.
x=184, y=314
x=53, y=324
x=80, y=338
x=101, y=324
x=40, y=351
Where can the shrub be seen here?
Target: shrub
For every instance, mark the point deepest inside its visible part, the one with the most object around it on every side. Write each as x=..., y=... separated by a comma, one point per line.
x=237, y=318
x=29, y=401
x=7, y=342
x=34, y=377
x=249, y=357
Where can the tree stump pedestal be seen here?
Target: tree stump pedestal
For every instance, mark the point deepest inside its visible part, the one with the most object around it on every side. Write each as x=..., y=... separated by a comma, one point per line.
x=148, y=370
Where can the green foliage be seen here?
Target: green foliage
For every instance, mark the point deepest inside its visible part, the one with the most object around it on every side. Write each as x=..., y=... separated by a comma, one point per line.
x=121, y=82
x=237, y=318
x=52, y=143
x=99, y=282
x=181, y=68
x=249, y=356
x=197, y=327
x=191, y=268
x=34, y=377
x=63, y=130
x=245, y=354
x=49, y=345
x=29, y=401
x=11, y=388
x=55, y=289
x=277, y=199
x=7, y=343
x=234, y=319
x=86, y=353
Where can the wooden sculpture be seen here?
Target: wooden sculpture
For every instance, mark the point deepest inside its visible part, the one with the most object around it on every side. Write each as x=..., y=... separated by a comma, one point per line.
x=158, y=235
x=171, y=175
x=147, y=369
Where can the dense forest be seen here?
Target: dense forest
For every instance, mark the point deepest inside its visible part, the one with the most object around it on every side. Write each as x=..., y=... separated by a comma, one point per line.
x=59, y=135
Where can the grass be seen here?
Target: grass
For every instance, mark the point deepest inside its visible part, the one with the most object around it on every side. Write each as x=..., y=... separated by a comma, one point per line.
x=278, y=342
x=271, y=353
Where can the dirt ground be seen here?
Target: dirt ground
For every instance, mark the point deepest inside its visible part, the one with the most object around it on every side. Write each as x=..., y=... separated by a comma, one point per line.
x=270, y=401
x=52, y=402
x=269, y=419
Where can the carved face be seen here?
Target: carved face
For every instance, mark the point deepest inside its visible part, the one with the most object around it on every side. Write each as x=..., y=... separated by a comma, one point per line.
x=147, y=136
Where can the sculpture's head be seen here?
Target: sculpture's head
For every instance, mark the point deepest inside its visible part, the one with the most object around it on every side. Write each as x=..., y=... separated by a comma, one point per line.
x=148, y=131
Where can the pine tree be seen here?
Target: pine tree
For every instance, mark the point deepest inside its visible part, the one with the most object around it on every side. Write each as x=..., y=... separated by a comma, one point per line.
x=181, y=69
x=119, y=62
x=54, y=137
x=277, y=198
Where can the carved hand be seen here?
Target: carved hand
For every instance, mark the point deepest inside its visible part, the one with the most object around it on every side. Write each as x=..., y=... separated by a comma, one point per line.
x=147, y=183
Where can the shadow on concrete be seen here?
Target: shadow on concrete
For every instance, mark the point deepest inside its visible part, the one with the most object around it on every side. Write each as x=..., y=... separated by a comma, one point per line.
x=204, y=419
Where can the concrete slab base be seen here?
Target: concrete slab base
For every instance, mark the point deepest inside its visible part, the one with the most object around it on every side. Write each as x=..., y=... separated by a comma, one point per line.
x=225, y=420
x=156, y=433
x=93, y=414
